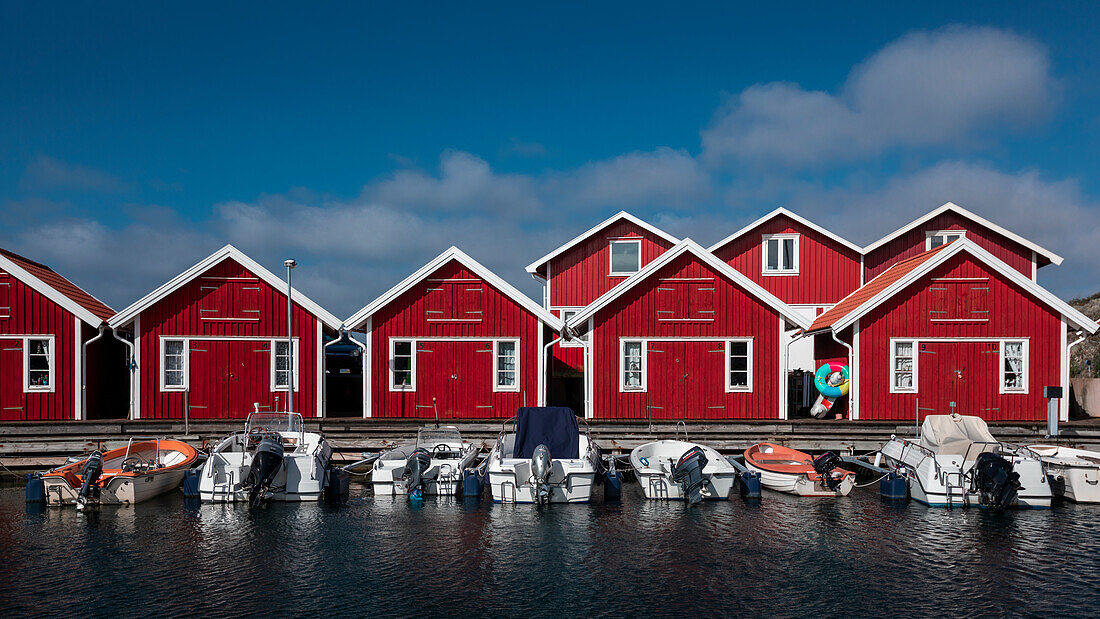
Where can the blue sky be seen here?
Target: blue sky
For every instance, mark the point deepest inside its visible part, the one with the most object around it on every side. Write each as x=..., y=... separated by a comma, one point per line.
x=363, y=141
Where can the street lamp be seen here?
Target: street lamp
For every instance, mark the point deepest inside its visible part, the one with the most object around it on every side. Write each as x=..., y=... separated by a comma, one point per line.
x=289, y=264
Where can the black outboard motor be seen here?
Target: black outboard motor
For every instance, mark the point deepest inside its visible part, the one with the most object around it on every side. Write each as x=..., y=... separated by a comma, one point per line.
x=415, y=467
x=93, y=468
x=267, y=459
x=688, y=472
x=997, y=484
x=824, y=465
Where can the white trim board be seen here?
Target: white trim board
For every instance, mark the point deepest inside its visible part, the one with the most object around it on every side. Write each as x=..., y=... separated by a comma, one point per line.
x=798, y=218
x=1054, y=258
x=225, y=253
x=620, y=216
x=356, y=320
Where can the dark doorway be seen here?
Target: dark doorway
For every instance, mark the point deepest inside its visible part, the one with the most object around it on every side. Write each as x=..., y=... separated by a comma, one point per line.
x=343, y=379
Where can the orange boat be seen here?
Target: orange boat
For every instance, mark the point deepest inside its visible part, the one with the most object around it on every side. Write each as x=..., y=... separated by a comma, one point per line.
x=123, y=476
x=788, y=470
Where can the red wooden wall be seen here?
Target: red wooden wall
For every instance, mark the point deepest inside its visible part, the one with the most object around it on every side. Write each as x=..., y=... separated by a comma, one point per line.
x=1013, y=314
x=688, y=380
x=827, y=270
x=914, y=241
x=580, y=275
x=235, y=313
x=31, y=313
x=449, y=347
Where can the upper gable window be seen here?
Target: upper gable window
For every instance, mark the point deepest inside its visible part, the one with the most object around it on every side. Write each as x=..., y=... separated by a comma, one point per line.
x=626, y=257
x=780, y=254
x=942, y=237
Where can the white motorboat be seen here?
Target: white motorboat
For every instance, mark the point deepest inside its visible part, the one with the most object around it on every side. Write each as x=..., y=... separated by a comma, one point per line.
x=123, y=476
x=545, y=459
x=957, y=462
x=273, y=459
x=672, y=469
x=796, y=472
x=433, y=464
x=1074, y=473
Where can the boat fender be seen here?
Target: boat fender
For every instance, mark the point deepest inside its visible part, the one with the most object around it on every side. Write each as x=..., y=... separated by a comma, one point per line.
x=749, y=485
x=830, y=385
x=893, y=487
x=191, y=483
x=36, y=488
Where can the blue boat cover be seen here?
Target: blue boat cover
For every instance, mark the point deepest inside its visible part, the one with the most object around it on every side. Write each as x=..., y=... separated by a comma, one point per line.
x=553, y=426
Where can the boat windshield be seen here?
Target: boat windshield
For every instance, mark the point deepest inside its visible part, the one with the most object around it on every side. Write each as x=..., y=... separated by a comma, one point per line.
x=430, y=437
x=285, y=423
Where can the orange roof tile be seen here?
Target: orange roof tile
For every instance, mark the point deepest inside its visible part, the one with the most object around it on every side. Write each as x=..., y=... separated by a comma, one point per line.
x=60, y=284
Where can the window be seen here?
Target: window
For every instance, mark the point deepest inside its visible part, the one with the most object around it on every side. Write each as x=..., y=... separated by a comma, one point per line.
x=626, y=257
x=942, y=237
x=283, y=366
x=38, y=364
x=903, y=367
x=633, y=373
x=173, y=365
x=739, y=365
x=1014, y=366
x=402, y=365
x=567, y=317
x=506, y=366
x=780, y=254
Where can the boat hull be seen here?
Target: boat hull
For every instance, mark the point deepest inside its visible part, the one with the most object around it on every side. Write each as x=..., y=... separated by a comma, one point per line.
x=653, y=463
x=1074, y=473
x=117, y=490
x=574, y=488
x=443, y=476
x=800, y=484
x=301, y=478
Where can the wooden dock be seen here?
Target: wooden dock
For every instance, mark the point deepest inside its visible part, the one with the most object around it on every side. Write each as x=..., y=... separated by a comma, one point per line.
x=30, y=446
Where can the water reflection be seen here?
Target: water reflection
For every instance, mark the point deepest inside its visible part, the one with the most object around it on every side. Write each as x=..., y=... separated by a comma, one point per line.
x=781, y=556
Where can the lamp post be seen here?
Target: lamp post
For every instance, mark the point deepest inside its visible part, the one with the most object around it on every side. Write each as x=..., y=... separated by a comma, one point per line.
x=289, y=264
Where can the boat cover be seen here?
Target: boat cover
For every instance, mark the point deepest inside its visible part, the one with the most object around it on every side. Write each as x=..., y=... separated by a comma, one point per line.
x=553, y=426
x=955, y=434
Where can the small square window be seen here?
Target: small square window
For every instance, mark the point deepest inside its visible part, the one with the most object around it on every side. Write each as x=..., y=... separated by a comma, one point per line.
x=403, y=367
x=38, y=361
x=780, y=254
x=626, y=257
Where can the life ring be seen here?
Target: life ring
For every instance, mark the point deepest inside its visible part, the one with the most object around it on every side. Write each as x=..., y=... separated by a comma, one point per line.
x=821, y=380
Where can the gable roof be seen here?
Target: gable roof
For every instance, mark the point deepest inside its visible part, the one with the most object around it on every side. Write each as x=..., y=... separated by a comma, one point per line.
x=453, y=253
x=690, y=246
x=901, y=275
x=798, y=218
x=537, y=265
x=225, y=253
x=1054, y=258
x=56, y=288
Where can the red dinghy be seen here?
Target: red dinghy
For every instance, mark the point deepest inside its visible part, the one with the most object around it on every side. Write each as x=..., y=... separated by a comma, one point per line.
x=788, y=470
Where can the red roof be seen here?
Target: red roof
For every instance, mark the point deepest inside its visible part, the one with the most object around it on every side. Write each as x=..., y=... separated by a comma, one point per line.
x=869, y=290
x=60, y=284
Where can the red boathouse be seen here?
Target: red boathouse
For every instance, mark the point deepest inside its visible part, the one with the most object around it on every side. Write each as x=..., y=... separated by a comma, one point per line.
x=456, y=339
x=213, y=341
x=47, y=328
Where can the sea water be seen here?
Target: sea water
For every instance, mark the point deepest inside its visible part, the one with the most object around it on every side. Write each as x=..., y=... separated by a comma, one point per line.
x=782, y=556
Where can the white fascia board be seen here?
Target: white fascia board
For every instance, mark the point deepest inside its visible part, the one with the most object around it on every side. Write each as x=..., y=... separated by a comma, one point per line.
x=621, y=215
x=802, y=220
x=50, y=292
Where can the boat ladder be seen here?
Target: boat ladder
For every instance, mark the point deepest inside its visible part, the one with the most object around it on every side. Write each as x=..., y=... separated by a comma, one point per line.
x=658, y=489
x=956, y=492
x=505, y=487
x=445, y=480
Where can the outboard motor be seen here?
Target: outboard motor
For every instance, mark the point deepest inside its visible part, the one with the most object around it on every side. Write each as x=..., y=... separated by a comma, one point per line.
x=415, y=467
x=997, y=484
x=688, y=472
x=267, y=459
x=93, y=468
x=825, y=464
x=541, y=465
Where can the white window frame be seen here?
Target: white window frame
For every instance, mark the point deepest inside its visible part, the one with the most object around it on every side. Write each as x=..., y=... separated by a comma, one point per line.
x=295, y=361
x=1026, y=371
x=412, y=366
x=611, y=257
x=934, y=233
x=623, y=388
x=576, y=343
x=51, y=358
x=186, y=364
x=893, y=364
x=767, y=238
x=731, y=388
x=497, y=387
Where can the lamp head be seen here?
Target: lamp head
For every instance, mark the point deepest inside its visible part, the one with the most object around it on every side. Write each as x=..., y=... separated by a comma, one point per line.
x=290, y=263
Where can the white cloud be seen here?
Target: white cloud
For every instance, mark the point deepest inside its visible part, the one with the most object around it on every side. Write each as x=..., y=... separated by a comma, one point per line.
x=946, y=87
x=51, y=175
x=662, y=177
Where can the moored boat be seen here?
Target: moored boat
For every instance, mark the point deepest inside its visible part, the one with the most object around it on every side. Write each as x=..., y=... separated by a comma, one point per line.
x=794, y=472
x=1074, y=473
x=433, y=464
x=124, y=476
x=679, y=470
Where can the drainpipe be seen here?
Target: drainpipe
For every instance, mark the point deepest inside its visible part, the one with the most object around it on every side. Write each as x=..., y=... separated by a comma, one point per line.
x=851, y=371
x=103, y=328
x=133, y=363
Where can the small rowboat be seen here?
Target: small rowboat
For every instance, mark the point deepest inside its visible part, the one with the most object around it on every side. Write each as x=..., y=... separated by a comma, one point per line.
x=788, y=470
x=123, y=476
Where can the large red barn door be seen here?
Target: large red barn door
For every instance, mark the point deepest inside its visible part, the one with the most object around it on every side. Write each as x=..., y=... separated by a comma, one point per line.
x=685, y=379
x=11, y=380
x=453, y=376
x=209, y=383
x=249, y=378
x=962, y=373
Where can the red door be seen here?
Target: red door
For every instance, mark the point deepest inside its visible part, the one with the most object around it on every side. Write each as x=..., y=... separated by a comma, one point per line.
x=958, y=377
x=11, y=380
x=454, y=377
x=208, y=396
x=684, y=379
